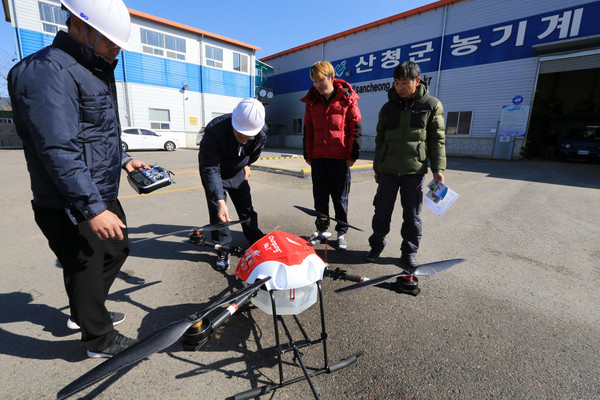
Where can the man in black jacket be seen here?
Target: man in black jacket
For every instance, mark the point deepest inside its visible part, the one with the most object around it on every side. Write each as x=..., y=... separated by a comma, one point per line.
x=65, y=111
x=230, y=144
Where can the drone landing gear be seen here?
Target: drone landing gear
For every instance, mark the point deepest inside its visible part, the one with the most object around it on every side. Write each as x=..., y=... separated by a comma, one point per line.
x=295, y=346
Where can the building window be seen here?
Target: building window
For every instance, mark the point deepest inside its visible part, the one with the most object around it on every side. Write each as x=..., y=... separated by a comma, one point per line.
x=159, y=118
x=240, y=62
x=161, y=44
x=458, y=122
x=52, y=17
x=6, y=121
x=214, y=56
x=297, y=125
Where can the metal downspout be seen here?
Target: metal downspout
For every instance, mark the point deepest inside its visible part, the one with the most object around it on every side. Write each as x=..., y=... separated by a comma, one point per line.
x=19, y=43
x=437, y=83
x=202, y=107
x=128, y=107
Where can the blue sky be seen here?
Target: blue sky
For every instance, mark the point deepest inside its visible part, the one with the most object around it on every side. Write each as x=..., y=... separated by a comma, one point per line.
x=272, y=25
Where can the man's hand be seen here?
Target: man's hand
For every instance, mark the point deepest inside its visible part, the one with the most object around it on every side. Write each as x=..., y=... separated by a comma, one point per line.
x=136, y=164
x=223, y=212
x=107, y=225
x=376, y=176
x=438, y=177
x=247, y=172
x=350, y=163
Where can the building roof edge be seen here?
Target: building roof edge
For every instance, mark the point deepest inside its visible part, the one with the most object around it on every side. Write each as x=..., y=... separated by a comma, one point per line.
x=375, y=24
x=177, y=25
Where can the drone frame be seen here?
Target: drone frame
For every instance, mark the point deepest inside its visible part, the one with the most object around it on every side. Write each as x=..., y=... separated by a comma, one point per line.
x=199, y=238
x=295, y=346
x=196, y=329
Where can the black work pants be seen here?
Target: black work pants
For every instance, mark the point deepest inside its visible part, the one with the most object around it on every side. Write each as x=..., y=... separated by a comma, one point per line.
x=90, y=266
x=411, y=199
x=238, y=189
x=331, y=177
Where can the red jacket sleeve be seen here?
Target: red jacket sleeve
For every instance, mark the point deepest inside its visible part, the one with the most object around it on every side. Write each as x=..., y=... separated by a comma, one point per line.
x=309, y=133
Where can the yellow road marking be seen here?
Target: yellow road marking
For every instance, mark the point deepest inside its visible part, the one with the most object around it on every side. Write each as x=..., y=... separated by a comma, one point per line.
x=161, y=192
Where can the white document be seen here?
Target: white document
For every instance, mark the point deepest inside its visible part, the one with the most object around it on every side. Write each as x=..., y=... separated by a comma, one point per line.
x=439, y=197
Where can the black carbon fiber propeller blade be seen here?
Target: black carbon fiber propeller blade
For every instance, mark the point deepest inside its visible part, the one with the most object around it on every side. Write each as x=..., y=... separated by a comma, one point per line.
x=422, y=270
x=221, y=225
x=436, y=267
x=154, y=343
x=315, y=213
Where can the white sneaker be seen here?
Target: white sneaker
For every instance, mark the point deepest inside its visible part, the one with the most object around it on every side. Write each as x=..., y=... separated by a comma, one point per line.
x=116, y=318
x=342, y=244
x=316, y=238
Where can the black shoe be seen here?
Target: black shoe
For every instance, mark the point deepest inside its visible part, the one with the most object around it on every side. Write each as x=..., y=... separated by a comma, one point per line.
x=409, y=262
x=373, y=255
x=120, y=344
x=222, y=262
x=116, y=318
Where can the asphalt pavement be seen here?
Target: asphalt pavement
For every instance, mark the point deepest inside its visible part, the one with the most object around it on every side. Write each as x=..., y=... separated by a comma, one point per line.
x=520, y=319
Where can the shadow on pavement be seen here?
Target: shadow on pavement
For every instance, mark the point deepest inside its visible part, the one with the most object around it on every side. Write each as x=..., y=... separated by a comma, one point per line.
x=551, y=172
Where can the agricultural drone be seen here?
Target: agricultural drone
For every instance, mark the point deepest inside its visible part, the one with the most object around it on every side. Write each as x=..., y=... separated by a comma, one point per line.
x=283, y=274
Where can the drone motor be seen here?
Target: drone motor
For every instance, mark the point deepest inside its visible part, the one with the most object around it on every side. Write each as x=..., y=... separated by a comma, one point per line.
x=197, y=335
x=408, y=285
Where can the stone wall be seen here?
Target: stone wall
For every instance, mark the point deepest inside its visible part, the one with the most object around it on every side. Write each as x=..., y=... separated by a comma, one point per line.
x=8, y=136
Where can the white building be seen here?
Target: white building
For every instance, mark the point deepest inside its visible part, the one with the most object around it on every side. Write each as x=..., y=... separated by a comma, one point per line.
x=506, y=71
x=175, y=78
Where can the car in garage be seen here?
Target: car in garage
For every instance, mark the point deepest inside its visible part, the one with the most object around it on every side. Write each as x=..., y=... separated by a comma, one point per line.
x=134, y=138
x=581, y=143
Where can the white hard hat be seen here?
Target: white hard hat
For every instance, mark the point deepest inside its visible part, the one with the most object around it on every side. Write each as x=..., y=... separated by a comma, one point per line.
x=109, y=17
x=248, y=117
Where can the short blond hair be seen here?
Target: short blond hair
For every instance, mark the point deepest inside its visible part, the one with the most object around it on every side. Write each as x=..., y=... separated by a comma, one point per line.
x=321, y=69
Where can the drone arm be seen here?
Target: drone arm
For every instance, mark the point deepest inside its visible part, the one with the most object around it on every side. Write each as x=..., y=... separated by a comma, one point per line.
x=198, y=334
x=229, y=311
x=199, y=238
x=341, y=274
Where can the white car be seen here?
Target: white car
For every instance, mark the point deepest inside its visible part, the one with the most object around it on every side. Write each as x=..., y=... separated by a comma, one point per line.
x=142, y=138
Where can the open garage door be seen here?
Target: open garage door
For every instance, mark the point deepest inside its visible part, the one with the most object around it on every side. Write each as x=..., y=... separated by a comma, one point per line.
x=567, y=97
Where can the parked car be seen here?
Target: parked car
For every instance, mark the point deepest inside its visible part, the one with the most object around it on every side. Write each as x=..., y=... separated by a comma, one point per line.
x=142, y=138
x=582, y=143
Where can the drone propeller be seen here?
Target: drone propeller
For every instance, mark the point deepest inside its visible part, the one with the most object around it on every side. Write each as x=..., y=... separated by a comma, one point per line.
x=156, y=342
x=205, y=228
x=422, y=270
x=221, y=225
x=315, y=213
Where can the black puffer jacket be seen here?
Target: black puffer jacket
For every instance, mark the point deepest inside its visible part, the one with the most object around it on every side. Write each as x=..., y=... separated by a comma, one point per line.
x=221, y=156
x=65, y=111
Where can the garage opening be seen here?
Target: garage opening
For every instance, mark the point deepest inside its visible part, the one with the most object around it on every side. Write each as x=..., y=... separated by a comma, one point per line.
x=567, y=97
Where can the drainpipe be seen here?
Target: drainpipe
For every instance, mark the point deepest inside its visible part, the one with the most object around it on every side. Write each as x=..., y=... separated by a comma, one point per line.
x=202, y=107
x=437, y=84
x=19, y=44
x=128, y=108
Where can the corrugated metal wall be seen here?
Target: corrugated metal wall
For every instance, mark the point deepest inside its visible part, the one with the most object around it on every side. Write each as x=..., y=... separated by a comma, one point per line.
x=156, y=82
x=481, y=84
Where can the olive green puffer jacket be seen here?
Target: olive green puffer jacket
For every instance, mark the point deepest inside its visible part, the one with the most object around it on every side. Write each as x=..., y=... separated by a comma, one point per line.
x=410, y=132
